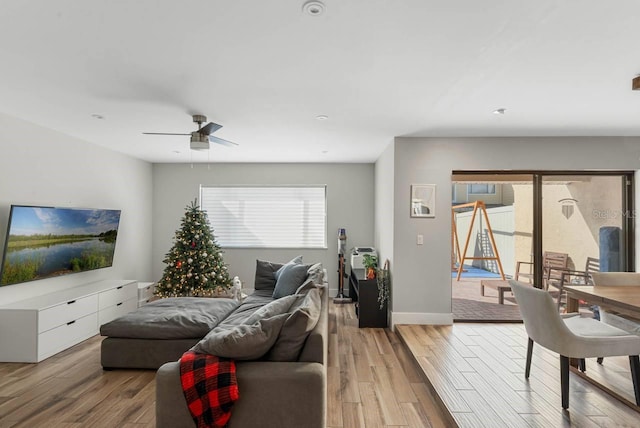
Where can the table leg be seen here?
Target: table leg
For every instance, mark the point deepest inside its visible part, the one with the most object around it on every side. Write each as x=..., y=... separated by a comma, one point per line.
x=572, y=304
x=501, y=296
x=481, y=290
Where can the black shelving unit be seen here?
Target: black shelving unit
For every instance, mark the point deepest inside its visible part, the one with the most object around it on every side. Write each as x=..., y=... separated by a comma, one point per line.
x=364, y=293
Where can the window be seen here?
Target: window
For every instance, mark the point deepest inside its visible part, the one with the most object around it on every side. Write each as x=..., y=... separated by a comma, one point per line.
x=267, y=217
x=481, y=189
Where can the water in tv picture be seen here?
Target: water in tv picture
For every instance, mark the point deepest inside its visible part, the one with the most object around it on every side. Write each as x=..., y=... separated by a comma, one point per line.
x=43, y=242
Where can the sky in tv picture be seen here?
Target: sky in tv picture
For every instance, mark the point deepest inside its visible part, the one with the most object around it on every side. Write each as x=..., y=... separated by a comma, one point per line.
x=62, y=221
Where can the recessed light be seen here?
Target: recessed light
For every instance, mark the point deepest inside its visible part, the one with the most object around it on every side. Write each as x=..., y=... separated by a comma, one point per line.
x=313, y=8
x=500, y=111
x=177, y=152
x=97, y=116
x=324, y=152
x=322, y=117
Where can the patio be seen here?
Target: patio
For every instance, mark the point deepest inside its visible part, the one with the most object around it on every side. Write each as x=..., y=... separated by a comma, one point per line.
x=469, y=306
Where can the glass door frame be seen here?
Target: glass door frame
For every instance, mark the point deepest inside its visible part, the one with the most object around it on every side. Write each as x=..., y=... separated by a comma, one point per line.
x=628, y=202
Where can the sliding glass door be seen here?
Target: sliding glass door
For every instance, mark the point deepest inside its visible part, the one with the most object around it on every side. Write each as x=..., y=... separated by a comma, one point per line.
x=538, y=220
x=585, y=223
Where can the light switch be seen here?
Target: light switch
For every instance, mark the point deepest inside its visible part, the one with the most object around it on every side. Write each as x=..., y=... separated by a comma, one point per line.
x=419, y=240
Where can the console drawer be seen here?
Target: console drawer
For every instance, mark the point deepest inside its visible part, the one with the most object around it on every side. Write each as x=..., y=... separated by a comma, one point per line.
x=145, y=290
x=109, y=314
x=117, y=295
x=55, y=340
x=61, y=314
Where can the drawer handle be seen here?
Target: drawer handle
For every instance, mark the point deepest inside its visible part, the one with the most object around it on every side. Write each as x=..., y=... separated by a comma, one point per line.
x=118, y=288
x=71, y=322
x=119, y=304
x=70, y=302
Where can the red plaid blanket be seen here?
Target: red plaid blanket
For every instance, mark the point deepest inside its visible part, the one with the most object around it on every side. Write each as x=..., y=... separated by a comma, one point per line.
x=210, y=387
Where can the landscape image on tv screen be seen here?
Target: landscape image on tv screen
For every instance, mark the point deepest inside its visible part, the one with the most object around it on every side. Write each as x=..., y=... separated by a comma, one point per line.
x=43, y=242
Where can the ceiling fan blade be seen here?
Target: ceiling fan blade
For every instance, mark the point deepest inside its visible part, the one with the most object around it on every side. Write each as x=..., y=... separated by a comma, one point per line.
x=161, y=133
x=221, y=141
x=209, y=128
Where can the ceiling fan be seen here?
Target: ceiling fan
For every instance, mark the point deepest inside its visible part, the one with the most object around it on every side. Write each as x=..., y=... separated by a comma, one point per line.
x=200, y=139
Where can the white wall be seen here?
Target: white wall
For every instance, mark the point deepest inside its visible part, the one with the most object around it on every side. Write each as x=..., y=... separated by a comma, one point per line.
x=384, y=201
x=39, y=166
x=421, y=274
x=350, y=200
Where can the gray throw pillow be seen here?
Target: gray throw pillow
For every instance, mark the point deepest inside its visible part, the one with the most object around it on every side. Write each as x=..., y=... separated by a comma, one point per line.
x=288, y=278
x=242, y=342
x=265, y=273
x=277, y=307
x=297, y=327
x=265, y=278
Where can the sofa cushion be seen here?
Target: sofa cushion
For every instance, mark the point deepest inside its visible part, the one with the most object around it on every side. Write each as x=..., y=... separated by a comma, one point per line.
x=309, y=284
x=244, y=341
x=305, y=313
x=171, y=318
x=265, y=273
x=316, y=273
x=276, y=307
x=288, y=278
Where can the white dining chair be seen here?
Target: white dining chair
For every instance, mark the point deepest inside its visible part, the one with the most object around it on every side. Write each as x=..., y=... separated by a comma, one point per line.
x=572, y=337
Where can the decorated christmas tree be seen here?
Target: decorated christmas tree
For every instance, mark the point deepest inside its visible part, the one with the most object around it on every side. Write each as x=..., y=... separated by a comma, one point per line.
x=194, y=264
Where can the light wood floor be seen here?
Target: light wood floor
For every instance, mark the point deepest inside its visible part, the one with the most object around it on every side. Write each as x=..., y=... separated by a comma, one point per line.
x=478, y=373
x=371, y=383
x=372, y=380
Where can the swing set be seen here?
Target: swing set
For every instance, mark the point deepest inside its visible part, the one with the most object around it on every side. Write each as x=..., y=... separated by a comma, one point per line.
x=458, y=257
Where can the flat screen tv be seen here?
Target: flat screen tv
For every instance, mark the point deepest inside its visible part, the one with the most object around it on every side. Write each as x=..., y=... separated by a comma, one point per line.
x=44, y=242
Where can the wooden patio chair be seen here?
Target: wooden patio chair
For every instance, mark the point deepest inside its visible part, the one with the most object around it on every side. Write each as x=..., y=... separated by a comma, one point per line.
x=575, y=277
x=553, y=264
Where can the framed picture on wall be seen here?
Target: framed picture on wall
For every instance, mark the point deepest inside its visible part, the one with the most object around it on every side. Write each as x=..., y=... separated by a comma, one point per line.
x=423, y=200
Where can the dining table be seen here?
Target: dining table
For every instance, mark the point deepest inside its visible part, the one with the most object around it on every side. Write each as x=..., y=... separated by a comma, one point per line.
x=621, y=299
x=624, y=299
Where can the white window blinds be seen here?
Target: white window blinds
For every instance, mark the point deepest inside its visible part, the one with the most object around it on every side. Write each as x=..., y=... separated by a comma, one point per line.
x=267, y=217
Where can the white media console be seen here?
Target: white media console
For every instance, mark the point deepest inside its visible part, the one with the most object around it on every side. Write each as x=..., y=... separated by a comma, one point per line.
x=37, y=328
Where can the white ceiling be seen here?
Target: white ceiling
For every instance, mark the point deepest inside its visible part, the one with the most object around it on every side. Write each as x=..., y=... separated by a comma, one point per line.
x=264, y=70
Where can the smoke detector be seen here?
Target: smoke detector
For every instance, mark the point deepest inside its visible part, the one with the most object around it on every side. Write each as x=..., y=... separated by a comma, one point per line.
x=313, y=8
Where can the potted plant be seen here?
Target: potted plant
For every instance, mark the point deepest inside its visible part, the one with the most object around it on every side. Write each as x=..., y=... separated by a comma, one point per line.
x=370, y=265
x=384, y=284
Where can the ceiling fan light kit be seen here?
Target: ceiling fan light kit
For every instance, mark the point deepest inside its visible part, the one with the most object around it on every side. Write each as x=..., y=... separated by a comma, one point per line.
x=199, y=141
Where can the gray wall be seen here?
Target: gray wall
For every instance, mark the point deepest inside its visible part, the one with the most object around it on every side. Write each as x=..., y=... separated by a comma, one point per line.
x=42, y=167
x=421, y=274
x=350, y=200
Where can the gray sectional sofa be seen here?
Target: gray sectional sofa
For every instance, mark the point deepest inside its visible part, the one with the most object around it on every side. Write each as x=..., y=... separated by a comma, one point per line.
x=278, y=389
x=272, y=394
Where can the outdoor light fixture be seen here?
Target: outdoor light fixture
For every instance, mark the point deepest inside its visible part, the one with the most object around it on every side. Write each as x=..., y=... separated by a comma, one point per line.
x=635, y=84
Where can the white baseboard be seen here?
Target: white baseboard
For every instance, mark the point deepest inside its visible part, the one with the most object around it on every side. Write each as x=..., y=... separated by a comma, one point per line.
x=420, y=318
